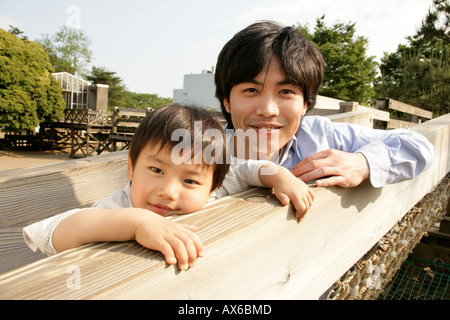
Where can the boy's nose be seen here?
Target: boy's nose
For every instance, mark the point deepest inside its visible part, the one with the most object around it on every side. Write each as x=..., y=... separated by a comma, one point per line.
x=169, y=190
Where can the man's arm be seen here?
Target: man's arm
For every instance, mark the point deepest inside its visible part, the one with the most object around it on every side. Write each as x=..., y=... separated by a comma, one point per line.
x=333, y=167
x=358, y=152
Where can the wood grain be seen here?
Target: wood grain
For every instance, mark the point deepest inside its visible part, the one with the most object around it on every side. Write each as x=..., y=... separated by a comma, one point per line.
x=254, y=247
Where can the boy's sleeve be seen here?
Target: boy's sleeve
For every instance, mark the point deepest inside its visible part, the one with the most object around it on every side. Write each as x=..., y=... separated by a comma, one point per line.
x=39, y=235
x=242, y=176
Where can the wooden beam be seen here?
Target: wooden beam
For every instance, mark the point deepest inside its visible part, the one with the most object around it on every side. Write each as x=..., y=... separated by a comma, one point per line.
x=403, y=107
x=32, y=194
x=395, y=124
x=254, y=247
x=363, y=118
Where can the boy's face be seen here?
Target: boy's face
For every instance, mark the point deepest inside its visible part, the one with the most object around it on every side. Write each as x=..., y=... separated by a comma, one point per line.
x=165, y=188
x=268, y=104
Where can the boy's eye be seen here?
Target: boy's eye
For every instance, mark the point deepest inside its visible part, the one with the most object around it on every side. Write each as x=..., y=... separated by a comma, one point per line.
x=190, y=181
x=156, y=170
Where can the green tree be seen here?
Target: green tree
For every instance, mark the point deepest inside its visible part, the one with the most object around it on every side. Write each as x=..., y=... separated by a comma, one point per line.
x=349, y=73
x=436, y=24
x=100, y=75
x=119, y=96
x=68, y=50
x=17, y=32
x=418, y=73
x=144, y=100
x=29, y=94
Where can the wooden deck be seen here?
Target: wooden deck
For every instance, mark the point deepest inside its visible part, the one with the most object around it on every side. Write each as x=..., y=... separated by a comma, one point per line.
x=254, y=247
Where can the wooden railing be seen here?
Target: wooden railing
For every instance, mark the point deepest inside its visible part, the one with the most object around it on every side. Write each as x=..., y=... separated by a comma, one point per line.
x=414, y=115
x=254, y=247
x=123, y=125
x=379, y=117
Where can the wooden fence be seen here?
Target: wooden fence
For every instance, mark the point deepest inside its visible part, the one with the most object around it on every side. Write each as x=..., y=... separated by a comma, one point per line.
x=89, y=133
x=254, y=247
x=380, y=117
x=412, y=115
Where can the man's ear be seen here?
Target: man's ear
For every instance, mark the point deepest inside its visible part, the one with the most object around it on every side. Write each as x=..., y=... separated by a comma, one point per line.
x=305, y=108
x=226, y=104
x=129, y=168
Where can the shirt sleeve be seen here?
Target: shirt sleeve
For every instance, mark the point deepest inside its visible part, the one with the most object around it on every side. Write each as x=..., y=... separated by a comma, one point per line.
x=243, y=175
x=392, y=155
x=39, y=235
x=400, y=156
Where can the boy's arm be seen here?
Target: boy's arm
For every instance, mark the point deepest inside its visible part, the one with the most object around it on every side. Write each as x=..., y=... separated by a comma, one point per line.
x=177, y=242
x=264, y=173
x=242, y=176
x=38, y=235
x=287, y=187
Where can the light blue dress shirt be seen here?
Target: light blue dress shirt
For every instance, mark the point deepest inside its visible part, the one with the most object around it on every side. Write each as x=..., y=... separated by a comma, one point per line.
x=392, y=155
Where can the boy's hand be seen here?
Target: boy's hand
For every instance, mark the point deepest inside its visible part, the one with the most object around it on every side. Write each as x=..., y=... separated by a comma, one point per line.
x=178, y=242
x=288, y=188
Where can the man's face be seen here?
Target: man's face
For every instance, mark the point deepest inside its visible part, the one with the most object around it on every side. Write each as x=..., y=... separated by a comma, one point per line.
x=268, y=105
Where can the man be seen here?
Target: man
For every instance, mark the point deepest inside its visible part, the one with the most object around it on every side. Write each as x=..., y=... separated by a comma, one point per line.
x=267, y=78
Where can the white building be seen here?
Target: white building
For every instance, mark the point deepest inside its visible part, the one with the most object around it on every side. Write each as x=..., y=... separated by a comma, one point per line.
x=198, y=89
x=81, y=94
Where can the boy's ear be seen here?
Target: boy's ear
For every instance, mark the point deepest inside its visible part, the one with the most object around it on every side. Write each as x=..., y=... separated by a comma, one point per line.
x=226, y=104
x=129, y=168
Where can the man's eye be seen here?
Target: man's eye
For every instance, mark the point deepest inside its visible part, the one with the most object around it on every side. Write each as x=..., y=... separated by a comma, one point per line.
x=251, y=90
x=286, y=91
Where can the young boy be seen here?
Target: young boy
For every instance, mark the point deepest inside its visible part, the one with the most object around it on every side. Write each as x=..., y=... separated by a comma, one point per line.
x=167, y=176
x=268, y=76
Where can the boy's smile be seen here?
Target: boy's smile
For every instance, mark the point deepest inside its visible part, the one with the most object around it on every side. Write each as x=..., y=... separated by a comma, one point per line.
x=161, y=186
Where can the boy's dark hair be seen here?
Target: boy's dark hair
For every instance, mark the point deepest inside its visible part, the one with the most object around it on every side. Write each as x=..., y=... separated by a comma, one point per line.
x=244, y=56
x=158, y=126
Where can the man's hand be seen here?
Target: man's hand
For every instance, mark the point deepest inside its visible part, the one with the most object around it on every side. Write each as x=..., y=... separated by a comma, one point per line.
x=333, y=167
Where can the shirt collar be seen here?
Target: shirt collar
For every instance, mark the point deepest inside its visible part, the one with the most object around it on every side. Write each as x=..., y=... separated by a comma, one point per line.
x=291, y=145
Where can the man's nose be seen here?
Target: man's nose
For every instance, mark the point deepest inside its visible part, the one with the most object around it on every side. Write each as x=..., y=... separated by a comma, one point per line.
x=267, y=106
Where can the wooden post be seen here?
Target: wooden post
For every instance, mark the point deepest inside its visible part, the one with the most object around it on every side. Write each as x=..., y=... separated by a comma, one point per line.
x=114, y=128
x=348, y=106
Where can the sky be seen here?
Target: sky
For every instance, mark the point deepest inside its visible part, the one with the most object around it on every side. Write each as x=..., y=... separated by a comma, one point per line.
x=152, y=44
